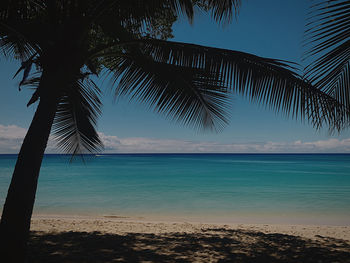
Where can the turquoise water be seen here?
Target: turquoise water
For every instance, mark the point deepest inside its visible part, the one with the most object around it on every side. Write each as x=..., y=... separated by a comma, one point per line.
x=305, y=187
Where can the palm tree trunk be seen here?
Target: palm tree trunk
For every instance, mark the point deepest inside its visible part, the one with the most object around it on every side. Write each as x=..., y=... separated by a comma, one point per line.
x=17, y=211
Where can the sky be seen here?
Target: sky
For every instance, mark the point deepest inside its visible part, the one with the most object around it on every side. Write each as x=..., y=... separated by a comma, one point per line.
x=269, y=28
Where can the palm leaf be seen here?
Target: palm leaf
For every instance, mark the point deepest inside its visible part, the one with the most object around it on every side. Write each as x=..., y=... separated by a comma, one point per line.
x=328, y=41
x=16, y=28
x=76, y=119
x=221, y=11
x=189, y=96
x=17, y=47
x=175, y=67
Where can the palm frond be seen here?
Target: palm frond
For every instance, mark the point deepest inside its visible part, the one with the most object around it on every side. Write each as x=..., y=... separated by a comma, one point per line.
x=16, y=28
x=269, y=81
x=222, y=11
x=328, y=43
x=16, y=47
x=190, y=96
x=74, y=125
x=15, y=40
x=145, y=9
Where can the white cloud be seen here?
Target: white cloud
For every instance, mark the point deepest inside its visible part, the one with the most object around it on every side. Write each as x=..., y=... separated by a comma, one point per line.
x=114, y=144
x=12, y=132
x=11, y=138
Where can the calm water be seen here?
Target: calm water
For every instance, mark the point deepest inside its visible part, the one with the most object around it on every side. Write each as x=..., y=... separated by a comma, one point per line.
x=305, y=188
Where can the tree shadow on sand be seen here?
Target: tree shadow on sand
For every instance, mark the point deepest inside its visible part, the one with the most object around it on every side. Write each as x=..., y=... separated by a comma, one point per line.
x=211, y=245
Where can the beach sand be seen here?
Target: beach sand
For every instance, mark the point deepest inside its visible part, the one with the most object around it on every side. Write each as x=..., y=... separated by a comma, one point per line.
x=119, y=239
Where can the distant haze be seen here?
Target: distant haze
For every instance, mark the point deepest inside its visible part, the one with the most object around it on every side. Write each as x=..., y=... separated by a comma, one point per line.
x=11, y=137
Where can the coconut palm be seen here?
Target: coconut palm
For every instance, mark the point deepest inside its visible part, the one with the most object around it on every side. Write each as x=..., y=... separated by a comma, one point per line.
x=328, y=42
x=70, y=40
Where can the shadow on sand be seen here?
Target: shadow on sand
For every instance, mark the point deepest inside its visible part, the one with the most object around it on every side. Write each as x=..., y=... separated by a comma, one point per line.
x=211, y=245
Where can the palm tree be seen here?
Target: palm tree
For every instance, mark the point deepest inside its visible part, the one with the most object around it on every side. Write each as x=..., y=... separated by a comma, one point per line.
x=70, y=40
x=328, y=41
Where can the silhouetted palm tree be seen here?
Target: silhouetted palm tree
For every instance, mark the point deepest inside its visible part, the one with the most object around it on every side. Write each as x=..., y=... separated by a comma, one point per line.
x=69, y=40
x=328, y=41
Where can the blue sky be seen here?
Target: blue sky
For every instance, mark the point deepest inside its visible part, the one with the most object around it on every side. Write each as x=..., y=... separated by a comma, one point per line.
x=269, y=28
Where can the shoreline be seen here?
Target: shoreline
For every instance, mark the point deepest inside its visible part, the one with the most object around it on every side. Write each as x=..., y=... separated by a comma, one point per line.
x=115, y=224
x=237, y=218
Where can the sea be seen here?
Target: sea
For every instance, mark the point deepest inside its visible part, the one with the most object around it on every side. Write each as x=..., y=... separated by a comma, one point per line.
x=233, y=188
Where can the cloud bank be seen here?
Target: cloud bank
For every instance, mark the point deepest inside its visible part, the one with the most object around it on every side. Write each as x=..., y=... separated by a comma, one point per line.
x=11, y=138
x=145, y=145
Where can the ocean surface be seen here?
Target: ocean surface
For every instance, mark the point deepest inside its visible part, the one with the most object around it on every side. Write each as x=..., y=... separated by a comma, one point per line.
x=253, y=188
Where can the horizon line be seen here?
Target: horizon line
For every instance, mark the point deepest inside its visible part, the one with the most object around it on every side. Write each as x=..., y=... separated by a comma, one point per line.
x=199, y=153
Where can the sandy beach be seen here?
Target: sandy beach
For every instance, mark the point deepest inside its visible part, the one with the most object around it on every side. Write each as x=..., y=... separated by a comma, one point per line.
x=123, y=239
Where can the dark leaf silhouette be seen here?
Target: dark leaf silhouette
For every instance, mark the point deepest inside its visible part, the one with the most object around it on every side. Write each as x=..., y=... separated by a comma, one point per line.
x=159, y=66
x=328, y=39
x=75, y=122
